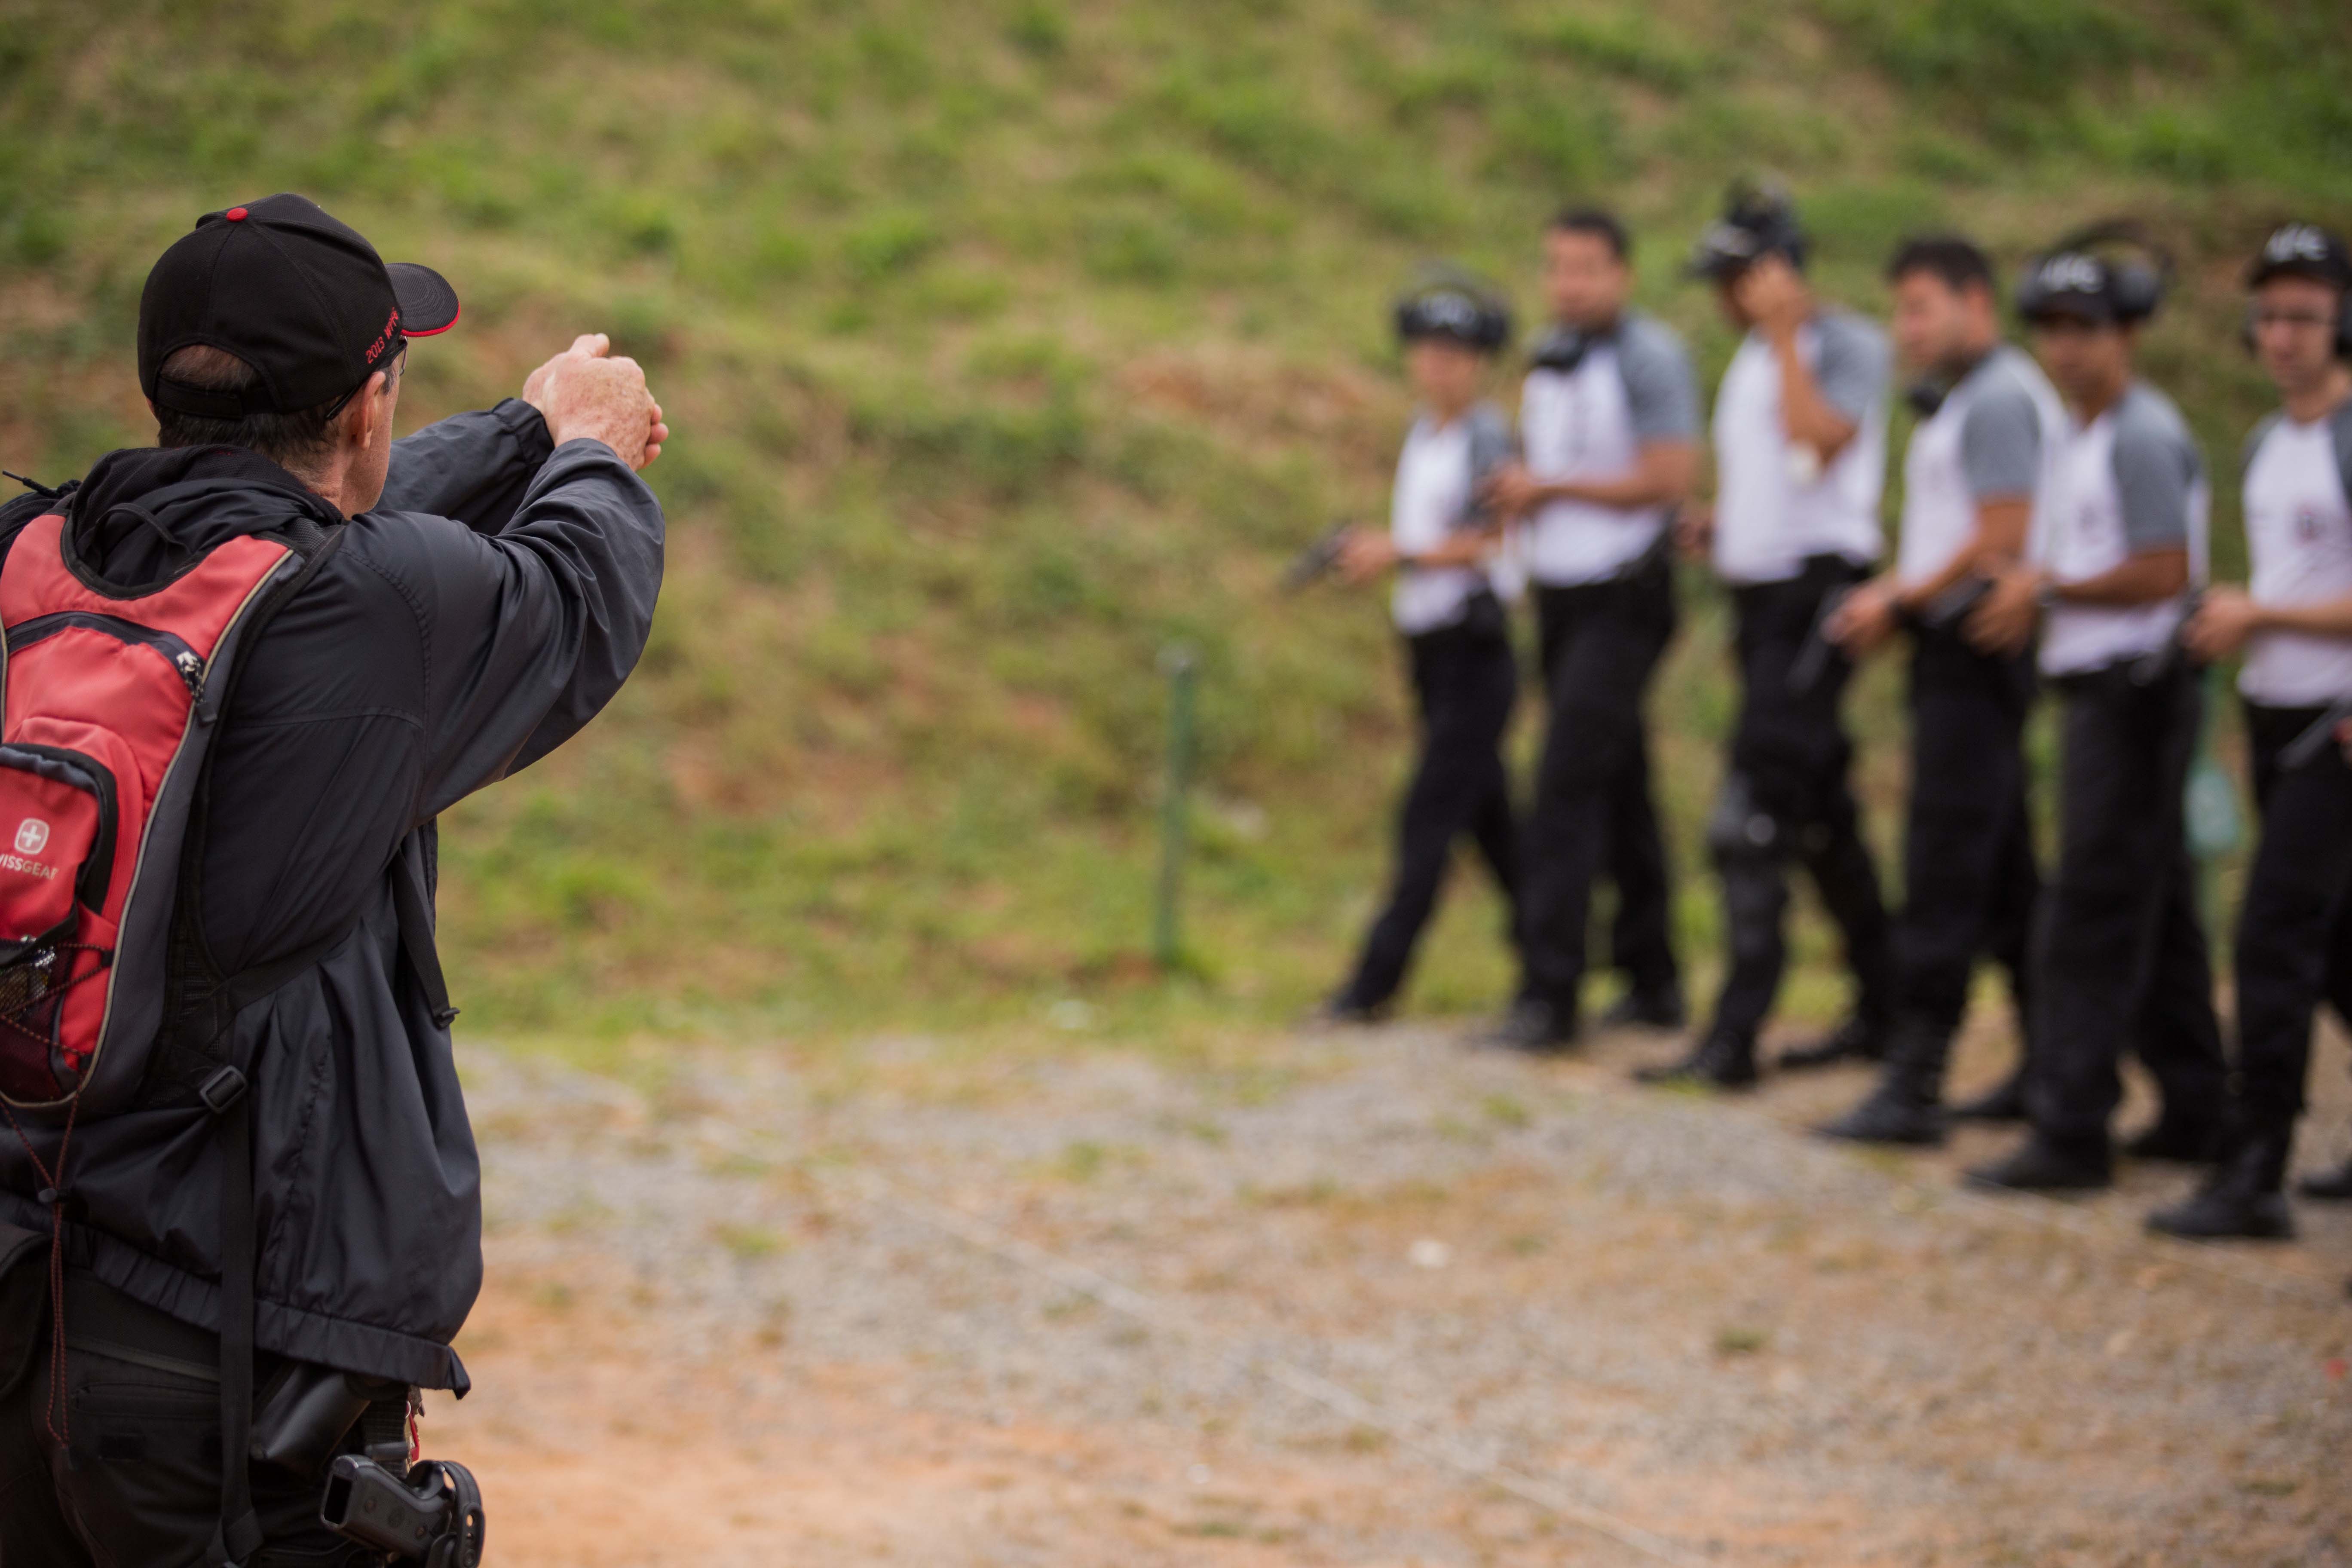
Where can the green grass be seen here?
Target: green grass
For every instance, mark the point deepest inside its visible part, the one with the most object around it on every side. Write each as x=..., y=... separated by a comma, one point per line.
x=1007, y=343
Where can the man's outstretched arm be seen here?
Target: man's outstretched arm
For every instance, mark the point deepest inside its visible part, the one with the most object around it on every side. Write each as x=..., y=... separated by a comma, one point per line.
x=476, y=466
x=532, y=630
x=471, y=467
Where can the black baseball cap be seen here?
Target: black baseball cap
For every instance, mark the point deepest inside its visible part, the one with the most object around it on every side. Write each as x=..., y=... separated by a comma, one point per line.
x=2076, y=284
x=1454, y=308
x=2302, y=250
x=291, y=292
x=1758, y=220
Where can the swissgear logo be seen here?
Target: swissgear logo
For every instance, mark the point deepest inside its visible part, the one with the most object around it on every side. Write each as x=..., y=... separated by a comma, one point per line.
x=32, y=838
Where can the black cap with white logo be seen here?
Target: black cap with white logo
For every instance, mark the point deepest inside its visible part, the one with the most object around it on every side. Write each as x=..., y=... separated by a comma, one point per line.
x=1760, y=220
x=1458, y=310
x=299, y=296
x=2073, y=283
x=2302, y=250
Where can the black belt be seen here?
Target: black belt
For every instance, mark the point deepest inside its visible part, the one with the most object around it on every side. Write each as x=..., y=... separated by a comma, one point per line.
x=104, y=1321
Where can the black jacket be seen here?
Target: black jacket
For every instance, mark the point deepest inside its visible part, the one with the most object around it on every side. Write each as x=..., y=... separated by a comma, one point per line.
x=490, y=605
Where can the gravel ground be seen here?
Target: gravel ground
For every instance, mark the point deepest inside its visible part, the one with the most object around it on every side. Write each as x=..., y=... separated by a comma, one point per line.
x=1370, y=1299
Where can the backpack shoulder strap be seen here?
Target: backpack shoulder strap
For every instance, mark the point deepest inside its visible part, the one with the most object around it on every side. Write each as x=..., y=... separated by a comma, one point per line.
x=19, y=510
x=199, y=1000
x=222, y=1086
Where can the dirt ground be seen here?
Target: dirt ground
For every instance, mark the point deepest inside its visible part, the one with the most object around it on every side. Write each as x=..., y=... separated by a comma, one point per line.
x=1372, y=1298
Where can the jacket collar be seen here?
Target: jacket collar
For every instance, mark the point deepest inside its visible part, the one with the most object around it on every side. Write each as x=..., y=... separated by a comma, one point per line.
x=144, y=513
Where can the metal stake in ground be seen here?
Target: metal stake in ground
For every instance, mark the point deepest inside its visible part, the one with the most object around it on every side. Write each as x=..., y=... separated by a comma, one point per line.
x=1180, y=666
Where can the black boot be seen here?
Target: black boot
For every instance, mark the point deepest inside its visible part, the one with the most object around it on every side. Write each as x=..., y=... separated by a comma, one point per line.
x=1722, y=1059
x=1856, y=1040
x=2181, y=1137
x=2005, y=1101
x=1903, y=1108
x=1535, y=1027
x=1646, y=1010
x=2043, y=1164
x=2242, y=1197
x=2328, y=1186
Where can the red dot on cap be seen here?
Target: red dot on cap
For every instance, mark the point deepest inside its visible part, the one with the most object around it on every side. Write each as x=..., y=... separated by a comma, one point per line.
x=234, y=215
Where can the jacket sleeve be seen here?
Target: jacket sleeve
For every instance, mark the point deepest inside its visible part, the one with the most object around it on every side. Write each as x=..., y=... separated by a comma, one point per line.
x=529, y=631
x=2156, y=470
x=471, y=467
x=1659, y=392
x=2339, y=430
x=1854, y=366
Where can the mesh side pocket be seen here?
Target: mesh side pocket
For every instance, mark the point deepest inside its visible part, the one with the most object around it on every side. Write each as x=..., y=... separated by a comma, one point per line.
x=57, y=861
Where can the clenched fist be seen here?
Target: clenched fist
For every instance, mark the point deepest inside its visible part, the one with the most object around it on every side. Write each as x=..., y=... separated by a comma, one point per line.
x=583, y=392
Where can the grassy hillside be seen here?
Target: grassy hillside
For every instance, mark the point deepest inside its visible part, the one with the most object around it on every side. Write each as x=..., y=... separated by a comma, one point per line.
x=1007, y=343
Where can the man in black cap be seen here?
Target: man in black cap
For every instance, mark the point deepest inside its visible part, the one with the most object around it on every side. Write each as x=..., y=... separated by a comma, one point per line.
x=2119, y=953
x=1440, y=538
x=1801, y=458
x=2294, y=625
x=479, y=591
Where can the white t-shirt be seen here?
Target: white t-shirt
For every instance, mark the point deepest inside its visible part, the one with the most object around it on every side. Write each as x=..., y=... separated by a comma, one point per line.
x=1436, y=482
x=1632, y=386
x=1993, y=437
x=1777, y=503
x=2130, y=482
x=2299, y=535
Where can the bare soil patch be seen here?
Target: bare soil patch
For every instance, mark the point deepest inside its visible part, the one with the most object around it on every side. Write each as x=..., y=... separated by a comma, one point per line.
x=1372, y=1299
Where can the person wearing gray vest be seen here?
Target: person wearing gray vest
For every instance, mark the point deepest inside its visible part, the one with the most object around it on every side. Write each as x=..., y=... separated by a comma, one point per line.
x=2120, y=958
x=2292, y=625
x=1609, y=419
x=1440, y=537
x=1989, y=423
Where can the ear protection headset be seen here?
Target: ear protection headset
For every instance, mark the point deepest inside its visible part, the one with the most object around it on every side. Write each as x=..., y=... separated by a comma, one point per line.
x=1563, y=348
x=1450, y=304
x=2305, y=250
x=2131, y=290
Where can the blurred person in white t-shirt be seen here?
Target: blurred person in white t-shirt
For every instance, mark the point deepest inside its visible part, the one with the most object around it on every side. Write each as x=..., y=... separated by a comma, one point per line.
x=2291, y=627
x=1439, y=548
x=1800, y=455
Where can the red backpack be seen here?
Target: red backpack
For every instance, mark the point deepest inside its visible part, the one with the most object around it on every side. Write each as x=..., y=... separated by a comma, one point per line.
x=110, y=705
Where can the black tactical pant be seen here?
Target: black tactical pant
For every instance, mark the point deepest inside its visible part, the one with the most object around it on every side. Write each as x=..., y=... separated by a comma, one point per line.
x=138, y=1484
x=2120, y=956
x=1593, y=813
x=1969, y=877
x=2294, y=930
x=1788, y=798
x=1466, y=678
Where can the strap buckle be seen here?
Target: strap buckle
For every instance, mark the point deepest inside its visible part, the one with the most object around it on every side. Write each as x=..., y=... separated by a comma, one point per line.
x=221, y=1091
